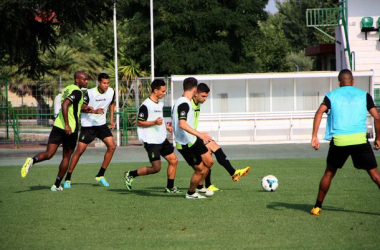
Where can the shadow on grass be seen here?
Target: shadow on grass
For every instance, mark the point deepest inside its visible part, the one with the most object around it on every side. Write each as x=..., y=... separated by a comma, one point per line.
x=33, y=188
x=307, y=208
x=159, y=193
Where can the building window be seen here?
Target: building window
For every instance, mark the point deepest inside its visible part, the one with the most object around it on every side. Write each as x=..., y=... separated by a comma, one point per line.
x=223, y=102
x=310, y=100
x=256, y=102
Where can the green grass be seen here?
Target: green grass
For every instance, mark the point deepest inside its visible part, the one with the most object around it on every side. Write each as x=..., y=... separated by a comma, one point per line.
x=241, y=216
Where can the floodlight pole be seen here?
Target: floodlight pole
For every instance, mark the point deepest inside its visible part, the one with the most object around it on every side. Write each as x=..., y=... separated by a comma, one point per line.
x=116, y=78
x=151, y=41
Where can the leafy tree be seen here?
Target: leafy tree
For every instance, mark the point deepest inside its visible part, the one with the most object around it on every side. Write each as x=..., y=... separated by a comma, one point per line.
x=299, y=61
x=294, y=22
x=270, y=48
x=30, y=27
x=198, y=36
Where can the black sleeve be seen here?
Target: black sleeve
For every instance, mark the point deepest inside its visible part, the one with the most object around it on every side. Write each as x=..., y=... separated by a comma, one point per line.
x=326, y=102
x=143, y=113
x=113, y=98
x=370, y=103
x=75, y=96
x=86, y=99
x=183, y=110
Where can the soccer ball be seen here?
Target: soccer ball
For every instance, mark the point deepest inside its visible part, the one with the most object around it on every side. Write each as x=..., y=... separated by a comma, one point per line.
x=269, y=183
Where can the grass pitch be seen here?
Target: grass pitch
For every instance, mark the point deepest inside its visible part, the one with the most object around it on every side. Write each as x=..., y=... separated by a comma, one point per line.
x=241, y=216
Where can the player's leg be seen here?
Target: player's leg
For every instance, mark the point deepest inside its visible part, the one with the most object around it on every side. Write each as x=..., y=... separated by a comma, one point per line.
x=336, y=158
x=55, y=139
x=80, y=149
x=223, y=160
x=111, y=147
x=375, y=175
x=153, y=151
x=324, y=184
x=68, y=144
x=105, y=134
x=198, y=175
x=207, y=162
x=172, y=169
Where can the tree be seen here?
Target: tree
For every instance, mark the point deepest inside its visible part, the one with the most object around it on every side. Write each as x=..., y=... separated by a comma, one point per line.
x=271, y=47
x=31, y=27
x=198, y=36
x=294, y=22
x=299, y=61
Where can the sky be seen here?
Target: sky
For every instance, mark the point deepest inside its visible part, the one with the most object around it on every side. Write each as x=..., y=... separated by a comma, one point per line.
x=271, y=7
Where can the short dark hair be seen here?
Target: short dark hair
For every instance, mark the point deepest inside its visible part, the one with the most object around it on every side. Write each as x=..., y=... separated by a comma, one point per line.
x=103, y=76
x=189, y=83
x=344, y=75
x=78, y=73
x=157, y=84
x=203, y=88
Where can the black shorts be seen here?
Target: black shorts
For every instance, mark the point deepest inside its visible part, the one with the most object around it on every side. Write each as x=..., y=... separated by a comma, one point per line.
x=362, y=156
x=193, y=154
x=155, y=150
x=58, y=136
x=88, y=134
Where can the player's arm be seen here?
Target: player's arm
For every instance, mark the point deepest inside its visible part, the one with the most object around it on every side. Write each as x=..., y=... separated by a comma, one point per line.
x=183, y=110
x=65, y=113
x=372, y=109
x=112, y=111
x=317, y=122
x=85, y=108
x=143, y=117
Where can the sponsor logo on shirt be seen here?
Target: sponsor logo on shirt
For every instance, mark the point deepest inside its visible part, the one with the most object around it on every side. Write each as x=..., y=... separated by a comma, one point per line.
x=183, y=113
x=100, y=100
x=72, y=97
x=157, y=111
x=141, y=115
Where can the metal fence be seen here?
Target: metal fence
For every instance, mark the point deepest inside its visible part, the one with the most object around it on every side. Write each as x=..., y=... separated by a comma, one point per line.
x=28, y=118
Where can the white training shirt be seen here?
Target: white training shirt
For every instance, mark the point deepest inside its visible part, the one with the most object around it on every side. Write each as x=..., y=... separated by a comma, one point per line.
x=97, y=100
x=150, y=111
x=183, y=110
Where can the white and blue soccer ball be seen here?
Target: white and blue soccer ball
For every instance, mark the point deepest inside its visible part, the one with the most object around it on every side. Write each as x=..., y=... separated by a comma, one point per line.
x=269, y=183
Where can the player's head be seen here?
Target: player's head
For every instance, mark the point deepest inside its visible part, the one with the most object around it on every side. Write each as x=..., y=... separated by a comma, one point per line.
x=202, y=93
x=158, y=88
x=345, y=78
x=80, y=78
x=190, y=85
x=103, y=81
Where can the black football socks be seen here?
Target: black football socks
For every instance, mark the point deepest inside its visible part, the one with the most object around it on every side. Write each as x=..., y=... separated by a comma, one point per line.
x=68, y=176
x=133, y=173
x=101, y=172
x=208, y=179
x=223, y=160
x=170, y=184
x=318, y=204
x=58, y=182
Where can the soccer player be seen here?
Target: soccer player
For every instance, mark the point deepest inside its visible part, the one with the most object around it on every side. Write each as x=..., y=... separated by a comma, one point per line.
x=94, y=125
x=199, y=98
x=65, y=130
x=189, y=142
x=152, y=133
x=346, y=109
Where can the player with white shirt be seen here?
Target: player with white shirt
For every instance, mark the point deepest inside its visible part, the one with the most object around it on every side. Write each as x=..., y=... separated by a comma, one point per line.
x=189, y=142
x=94, y=125
x=152, y=133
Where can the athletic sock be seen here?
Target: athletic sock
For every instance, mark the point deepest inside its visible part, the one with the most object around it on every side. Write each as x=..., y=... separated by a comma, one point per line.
x=318, y=204
x=68, y=176
x=170, y=183
x=35, y=160
x=223, y=160
x=199, y=186
x=101, y=172
x=58, y=182
x=208, y=179
x=190, y=193
x=133, y=173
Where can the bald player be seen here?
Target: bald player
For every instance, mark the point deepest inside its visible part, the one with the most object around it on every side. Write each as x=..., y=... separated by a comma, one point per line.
x=346, y=109
x=64, y=131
